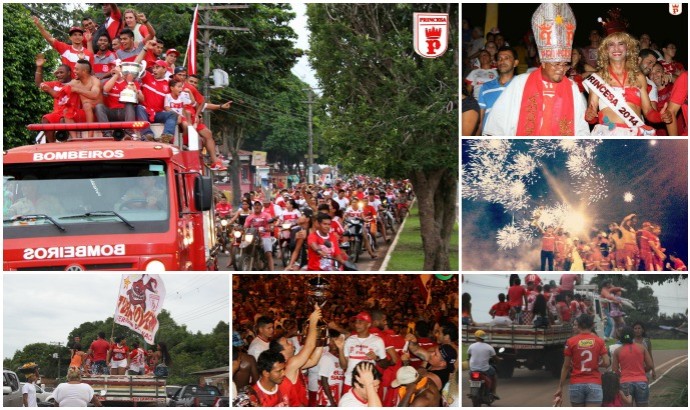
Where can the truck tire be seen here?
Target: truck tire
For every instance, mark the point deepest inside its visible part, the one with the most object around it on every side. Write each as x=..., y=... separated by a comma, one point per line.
x=505, y=368
x=554, y=362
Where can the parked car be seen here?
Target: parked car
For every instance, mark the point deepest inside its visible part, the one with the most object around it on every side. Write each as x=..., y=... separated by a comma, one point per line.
x=170, y=392
x=193, y=395
x=11, y=389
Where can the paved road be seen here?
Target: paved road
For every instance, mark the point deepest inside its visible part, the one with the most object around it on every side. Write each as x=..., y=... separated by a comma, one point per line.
x=365, y=262
x=535, y=388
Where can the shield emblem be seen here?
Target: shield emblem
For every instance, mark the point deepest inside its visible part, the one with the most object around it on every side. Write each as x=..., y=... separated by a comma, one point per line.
x=431, y=34
x=675, y=8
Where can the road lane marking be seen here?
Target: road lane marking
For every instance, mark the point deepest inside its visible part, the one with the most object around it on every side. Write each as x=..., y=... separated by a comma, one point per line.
x=676, y=365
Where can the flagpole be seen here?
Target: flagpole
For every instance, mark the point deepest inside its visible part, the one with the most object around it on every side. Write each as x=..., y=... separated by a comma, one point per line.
x=191, y=35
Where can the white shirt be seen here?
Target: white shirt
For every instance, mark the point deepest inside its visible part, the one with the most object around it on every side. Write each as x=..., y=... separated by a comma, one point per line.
x=73, y=395
x=350, y=400
x=257, y=347
x=480, y=76
x=355, y=350
x=480, y=353
x=30, y=389
x=329, y=367
x=344, y=202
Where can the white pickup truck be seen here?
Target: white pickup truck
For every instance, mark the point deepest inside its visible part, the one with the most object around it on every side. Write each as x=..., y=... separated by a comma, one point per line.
x=11, y=389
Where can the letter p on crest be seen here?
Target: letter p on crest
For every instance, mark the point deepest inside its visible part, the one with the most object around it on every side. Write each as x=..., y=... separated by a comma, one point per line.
x=675, y=8
x=431, y=34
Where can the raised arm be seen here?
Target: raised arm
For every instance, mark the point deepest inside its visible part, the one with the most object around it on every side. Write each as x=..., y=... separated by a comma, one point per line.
x=297, y=362
x=50, y=39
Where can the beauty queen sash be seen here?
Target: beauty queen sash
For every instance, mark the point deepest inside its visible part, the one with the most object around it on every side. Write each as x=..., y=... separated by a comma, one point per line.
x=616, y=101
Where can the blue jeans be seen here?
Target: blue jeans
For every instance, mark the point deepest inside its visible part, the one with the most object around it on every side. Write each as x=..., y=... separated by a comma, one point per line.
x=608, y=326
x=167, y=118
x=638, y=390
x=583, y=393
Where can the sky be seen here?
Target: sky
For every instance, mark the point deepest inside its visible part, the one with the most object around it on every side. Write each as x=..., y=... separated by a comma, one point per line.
x=484, y=290
x=655, y=174
x=302, y=69
x=40, y=308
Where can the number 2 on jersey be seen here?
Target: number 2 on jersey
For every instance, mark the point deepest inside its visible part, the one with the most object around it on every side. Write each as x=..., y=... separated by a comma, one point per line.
x=583, y=362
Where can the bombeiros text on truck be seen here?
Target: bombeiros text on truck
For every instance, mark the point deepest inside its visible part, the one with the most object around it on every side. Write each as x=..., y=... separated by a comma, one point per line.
x=100, y=203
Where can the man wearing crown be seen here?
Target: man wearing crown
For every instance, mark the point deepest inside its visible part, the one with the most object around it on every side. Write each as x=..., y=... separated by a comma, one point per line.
x=550, y=103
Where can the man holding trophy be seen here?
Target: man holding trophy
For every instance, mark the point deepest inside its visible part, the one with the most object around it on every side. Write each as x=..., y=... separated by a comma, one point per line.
x=121, y=95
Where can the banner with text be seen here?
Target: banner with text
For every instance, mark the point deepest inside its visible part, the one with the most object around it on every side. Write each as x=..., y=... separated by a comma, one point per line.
x=139, y=301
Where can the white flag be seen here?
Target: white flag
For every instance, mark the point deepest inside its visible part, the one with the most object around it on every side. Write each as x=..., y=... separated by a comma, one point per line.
x=138, y=303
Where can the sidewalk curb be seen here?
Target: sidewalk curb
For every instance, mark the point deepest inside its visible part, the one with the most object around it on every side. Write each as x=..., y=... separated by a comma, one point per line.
x=384, y=265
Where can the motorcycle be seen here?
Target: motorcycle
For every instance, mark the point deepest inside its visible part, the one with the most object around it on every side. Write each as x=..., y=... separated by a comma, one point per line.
x=353, y=233
x=387, y=216
x=480, y=387
x=222, y=234
x=252, y=255
x=284, y=242
x=236, y=241
x=334, y=264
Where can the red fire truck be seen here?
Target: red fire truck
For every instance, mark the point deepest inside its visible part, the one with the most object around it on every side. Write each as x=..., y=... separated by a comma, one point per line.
x=102, y=204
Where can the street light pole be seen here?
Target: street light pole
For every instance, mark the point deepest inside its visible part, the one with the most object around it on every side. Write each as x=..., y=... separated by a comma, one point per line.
x=59, y=347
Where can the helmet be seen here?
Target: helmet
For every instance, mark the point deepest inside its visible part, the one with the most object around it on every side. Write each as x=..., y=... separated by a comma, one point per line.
x=480, y=334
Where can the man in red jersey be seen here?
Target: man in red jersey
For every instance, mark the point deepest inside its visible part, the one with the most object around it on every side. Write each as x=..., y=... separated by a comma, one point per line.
x=323, y=246
x=631, y=361
x=61, y=103
x=262, y=221
x=271, y=367
x=293, y=385
x=69, y=54
x=548, y=247
x=99, y=348
x=583, y=353
x=394, y=344
x=517, y=296
x=154, y=88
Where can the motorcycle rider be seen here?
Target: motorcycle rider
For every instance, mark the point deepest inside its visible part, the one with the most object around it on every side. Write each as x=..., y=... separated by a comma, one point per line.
x=479, y=355
x=223, y=208
x=323, y=245
x=260, y=220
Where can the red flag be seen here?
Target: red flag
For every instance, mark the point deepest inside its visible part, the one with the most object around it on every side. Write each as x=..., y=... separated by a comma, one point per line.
x=191, y=44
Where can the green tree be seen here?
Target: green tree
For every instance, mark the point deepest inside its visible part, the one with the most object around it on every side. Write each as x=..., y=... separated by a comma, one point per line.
x=23, y=103
x=41, y=354
x=258, y=63
x=660, y=279
x=646, y=304
x=391, y=112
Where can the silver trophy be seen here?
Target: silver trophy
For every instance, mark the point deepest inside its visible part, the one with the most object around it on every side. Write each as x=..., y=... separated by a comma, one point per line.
x=130, y=71
x=318, y=293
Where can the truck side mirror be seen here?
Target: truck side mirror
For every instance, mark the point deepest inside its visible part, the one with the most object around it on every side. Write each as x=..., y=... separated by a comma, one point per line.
x=203, y=193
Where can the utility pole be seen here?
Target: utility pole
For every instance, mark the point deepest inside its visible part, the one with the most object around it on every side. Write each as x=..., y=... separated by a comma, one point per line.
x=310, y=153
x=57, y=355
x=207, y=44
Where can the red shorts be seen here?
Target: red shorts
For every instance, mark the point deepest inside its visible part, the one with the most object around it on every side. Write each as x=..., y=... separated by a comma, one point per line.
x=200, y=126
x=57, y=116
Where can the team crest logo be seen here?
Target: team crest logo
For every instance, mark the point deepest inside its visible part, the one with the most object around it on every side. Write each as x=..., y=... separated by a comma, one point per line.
x=431, y=34
x=675, y=8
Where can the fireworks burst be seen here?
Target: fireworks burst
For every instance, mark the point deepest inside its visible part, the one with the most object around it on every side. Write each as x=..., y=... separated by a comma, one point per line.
x=511, y=236
x=628, y=197
x=579, y=165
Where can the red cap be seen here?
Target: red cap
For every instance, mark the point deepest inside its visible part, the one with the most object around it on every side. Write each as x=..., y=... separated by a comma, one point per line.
x=161, y=63
x=364, y=316
x=172, y=51
x=73, y=29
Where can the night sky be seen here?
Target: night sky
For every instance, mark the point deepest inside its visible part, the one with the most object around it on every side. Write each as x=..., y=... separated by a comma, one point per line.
x=656, y=175
x=514, y=20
